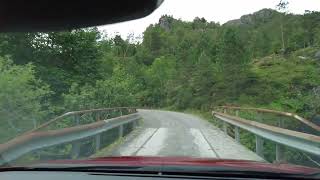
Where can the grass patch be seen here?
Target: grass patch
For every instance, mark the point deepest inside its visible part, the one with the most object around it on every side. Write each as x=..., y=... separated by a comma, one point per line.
x=107, y=151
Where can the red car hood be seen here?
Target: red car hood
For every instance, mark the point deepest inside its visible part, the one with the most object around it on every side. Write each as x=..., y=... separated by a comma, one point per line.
x=186, y=161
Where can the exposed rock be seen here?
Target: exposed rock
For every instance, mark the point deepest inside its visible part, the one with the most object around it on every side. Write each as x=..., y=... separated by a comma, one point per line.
x=263, y=15
x=235, y=22
x=302, y=57
x=246, y=19
x=165, y=23
x=317, y=55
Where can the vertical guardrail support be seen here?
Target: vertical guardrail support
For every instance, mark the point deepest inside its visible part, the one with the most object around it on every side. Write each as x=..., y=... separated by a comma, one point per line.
x=77, y=119
x=135, y=123
x=236, y=130
x=280, y=148
x=280, y=123
x=224, y=124
x=121, y=131
x=259, y=146
x=236, y=134
x=225, y=127
x=280, y=153
x=259, y=117
x=98, y=116
x=97, y=139
x=75, y=150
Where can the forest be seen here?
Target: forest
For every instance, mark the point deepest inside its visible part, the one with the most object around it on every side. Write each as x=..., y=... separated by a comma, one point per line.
x=266, y=59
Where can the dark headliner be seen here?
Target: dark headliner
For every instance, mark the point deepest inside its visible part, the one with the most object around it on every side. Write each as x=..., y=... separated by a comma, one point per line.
x=51, y=15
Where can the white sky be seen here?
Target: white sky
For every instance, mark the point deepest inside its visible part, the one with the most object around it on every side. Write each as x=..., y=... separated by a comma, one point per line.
x=212, y=10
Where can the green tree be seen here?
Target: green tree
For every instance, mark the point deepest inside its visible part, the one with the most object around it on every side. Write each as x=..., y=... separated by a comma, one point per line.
x=232, y=70
x=311, y=26
x=283, y=6
x=158, y=77
x=202, y=82
x=23, y=99
x=117, y=91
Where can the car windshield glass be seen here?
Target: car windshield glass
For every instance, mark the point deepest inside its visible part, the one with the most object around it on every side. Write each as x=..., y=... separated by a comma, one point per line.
x=216, y=80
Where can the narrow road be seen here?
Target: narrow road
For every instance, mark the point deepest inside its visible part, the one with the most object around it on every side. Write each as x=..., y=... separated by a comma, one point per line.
x=166, y=133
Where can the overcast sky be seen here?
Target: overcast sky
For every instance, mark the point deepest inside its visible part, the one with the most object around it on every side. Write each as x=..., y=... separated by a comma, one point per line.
x=212, y=10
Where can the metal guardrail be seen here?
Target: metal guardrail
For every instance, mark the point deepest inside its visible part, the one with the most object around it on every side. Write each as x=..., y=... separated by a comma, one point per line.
x=37, y=139
x=282, y=137
x=99, y=114
x=286, y=114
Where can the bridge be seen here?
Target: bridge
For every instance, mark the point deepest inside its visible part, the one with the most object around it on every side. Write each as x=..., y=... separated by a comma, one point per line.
x=140, y=132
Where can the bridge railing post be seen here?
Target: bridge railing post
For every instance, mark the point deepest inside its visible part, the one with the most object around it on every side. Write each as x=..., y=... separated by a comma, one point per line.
x=237, y=134
x=120, y=131
x=259, y=146
x=237, y=113
x=224, y=124
x=135, y=123
x=237, y=130
x=225, y=127
x=77, y=119
x=97, y=139
x=259, y=117
x=280, y=123
x=75, y=150
x=98, y=116
x=280, y=157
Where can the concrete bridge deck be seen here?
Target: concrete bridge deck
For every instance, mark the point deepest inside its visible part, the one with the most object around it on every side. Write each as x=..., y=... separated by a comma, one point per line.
x=166, y=133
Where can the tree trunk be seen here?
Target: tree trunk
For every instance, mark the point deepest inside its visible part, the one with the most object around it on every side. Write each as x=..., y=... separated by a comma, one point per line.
x=282, y=37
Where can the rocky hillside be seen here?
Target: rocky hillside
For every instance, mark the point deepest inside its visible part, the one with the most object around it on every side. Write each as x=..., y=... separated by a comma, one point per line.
x=262, y=16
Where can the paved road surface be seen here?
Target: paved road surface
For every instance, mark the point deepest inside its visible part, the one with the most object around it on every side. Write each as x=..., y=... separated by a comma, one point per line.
x=166, y=133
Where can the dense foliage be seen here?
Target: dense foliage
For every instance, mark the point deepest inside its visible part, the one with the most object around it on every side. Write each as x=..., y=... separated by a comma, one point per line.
x=23, y=98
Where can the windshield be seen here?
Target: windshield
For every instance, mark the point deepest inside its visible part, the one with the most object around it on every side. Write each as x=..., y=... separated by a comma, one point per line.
x=219, y=80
